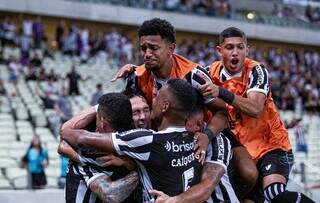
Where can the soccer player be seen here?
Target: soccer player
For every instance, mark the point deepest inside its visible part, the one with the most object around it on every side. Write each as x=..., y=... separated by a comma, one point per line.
x=86, y=174
x=157, y=47
x=140, y=110
x=166, y=159
x=244, y=86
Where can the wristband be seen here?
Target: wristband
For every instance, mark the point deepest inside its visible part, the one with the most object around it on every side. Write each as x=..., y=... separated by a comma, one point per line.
x=209, y=133
x=226, y=95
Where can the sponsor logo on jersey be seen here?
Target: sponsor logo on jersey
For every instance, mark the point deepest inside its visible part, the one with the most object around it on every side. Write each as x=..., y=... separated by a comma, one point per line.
x=183, y=147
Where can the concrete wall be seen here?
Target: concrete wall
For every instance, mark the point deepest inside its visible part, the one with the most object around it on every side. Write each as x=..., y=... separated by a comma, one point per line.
x=134, y=17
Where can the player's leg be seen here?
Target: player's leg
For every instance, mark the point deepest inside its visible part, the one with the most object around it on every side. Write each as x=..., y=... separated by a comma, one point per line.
x=246, y=173
x=275, y=169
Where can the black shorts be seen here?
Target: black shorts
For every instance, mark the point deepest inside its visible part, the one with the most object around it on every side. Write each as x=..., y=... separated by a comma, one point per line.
x=274, y=162
x=72, y=183
x=38, y=180
x=231, y=136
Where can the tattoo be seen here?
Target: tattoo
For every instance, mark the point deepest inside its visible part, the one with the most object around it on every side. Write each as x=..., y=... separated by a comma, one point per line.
x=213, y=172
x=116, y=191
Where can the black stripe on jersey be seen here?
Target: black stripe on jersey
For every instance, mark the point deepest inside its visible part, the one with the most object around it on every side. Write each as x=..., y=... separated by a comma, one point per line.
x=224, y=192
x=214, y=197
x=133, y=134
x=226, y=150
x=86, y=197
x=86, y=169
x=188, y=77
x=198, y=79
x=259, y=78
x=203, y=70
x=135, y=150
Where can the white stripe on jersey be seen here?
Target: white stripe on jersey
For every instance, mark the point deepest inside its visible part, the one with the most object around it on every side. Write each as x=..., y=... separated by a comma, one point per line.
x=146, y=183
x=81, y=192
x=223, y=157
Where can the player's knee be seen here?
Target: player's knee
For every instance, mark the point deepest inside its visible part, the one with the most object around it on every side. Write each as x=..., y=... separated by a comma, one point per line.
x=249, y=174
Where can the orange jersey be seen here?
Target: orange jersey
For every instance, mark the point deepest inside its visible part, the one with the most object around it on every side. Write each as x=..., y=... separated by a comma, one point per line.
x=144, y=81
x=260, y=135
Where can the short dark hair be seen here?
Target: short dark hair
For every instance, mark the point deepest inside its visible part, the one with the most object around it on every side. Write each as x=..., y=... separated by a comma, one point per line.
x=232, y=32
x=116, y=107
x=133, y=93
x=183, y=93
x=99, y=86
x=157, y=26
x=199, y=105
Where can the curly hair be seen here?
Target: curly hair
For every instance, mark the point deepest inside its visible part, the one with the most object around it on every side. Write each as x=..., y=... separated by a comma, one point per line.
x=157, y=26
x=185, y=95
x=116, y=107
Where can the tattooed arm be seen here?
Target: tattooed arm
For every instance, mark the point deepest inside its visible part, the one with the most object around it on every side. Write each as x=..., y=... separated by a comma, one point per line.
x=116, y=191
x=211, y=176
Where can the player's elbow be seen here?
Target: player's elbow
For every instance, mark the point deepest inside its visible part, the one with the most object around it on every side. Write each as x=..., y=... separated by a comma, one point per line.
x=60, y=149
x=256, y=112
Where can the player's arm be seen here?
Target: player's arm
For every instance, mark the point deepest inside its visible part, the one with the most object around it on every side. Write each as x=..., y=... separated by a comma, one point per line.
x=114, y=191
x=84, y=139
x=253, y=104
x=123, y=72
x=79, y=121
x=211, y=176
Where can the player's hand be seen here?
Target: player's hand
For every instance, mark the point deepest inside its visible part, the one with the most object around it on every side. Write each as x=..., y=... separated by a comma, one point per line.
x=111, y=160
x=162, y=197
x=208, y=89
x=124, y=71
x=202, y=142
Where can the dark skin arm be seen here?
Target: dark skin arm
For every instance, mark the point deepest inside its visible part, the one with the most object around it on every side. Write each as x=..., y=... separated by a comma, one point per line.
x=79, y=121
x=85, y=139
x=116, y=191
x=211, y=176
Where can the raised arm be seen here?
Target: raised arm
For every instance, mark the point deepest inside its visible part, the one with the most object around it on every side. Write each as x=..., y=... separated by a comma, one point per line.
x=79, y=121
x=85, y=139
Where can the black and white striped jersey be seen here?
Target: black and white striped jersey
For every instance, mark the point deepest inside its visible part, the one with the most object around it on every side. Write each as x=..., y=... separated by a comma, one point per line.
x=220, y=152
x=258, y=79
x=165, y=159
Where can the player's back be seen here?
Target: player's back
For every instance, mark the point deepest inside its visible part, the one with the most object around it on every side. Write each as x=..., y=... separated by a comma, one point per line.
x=166, y=159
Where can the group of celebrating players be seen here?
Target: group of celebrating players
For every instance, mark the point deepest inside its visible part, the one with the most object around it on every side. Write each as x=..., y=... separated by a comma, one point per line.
x=180, y=132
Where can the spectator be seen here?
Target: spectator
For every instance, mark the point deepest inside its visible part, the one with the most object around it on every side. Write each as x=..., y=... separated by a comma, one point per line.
x=36, y=159
x=15, y=69
x=60, y=31
x=3, y=90
x=300, y=132
x=74, y=78
x=38, y=32
x=63, y=171
x=95, y=97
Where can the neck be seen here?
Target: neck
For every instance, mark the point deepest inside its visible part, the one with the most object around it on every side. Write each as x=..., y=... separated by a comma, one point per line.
x=167, y=122
x=164, y=71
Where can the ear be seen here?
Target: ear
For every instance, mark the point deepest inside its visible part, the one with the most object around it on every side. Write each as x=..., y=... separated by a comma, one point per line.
x=219, y=49
x=165, y=106
x=172, y=47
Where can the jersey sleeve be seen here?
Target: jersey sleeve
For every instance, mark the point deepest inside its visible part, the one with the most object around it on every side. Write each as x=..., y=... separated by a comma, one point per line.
x=132, y=82
x=134, y=143
x=259, y=80
x=219, y=151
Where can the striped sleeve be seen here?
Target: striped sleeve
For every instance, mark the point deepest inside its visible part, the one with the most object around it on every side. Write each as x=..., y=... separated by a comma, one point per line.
x=131, y=83
x=259, y=80
x=134, y=143
x=219, y=151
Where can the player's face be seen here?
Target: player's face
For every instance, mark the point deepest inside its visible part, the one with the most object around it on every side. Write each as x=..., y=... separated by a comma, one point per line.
x=155, y=51
x=140, y=112
x=233, y=52
x=159, y=106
